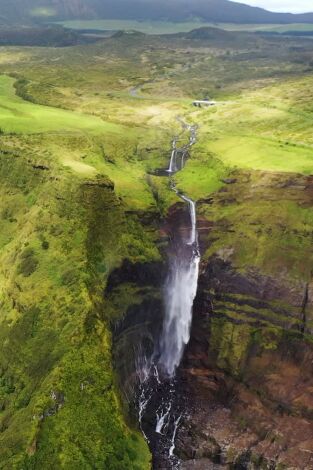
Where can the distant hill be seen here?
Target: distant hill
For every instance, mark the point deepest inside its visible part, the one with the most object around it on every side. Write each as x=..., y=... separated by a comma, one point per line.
x=41, y=36
x=219, y=11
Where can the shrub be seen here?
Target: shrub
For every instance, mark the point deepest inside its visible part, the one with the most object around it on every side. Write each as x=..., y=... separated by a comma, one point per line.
x=45, y=245
x=69, y=277
x=28, y=264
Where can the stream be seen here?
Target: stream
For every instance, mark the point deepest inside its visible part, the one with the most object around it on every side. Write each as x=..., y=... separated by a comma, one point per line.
x=159, y=399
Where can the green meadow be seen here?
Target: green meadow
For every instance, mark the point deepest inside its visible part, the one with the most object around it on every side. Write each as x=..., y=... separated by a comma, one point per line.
x=168, y=27
x=263, y=154
x=253, y=130
x=83, y=143
x=264, y=130
x=261, y=130
x=18, y=115
x=147, y=27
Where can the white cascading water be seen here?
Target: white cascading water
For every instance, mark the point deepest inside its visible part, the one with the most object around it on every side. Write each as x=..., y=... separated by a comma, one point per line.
x=172, y=448
x=157, y=373
x=193, y=217
x=162, y=417
x=172, y=166
x=180, y=293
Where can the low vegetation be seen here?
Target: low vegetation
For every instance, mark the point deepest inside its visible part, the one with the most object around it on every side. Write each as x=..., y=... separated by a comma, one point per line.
x=78, y=147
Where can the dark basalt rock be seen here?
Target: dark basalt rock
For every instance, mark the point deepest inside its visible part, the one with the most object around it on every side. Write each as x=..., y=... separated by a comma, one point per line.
x=249, y=362
x=229, y=180
x=40, y=167
x=100, y=182
x=135, y=337
x=141, y=274
x=224, y=279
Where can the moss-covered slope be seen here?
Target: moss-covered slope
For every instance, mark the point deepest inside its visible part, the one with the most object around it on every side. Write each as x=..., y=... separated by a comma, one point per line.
x=59, y=237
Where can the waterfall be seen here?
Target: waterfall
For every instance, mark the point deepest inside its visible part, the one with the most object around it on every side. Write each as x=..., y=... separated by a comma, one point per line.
x=193, y=217
x=180, y=292
x=172, y=166
x=172, y=448
x=157, y=396
x=162, y=417
x=181, y=285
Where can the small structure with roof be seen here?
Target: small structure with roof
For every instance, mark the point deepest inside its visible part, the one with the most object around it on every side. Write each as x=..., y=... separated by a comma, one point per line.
x=204, y=103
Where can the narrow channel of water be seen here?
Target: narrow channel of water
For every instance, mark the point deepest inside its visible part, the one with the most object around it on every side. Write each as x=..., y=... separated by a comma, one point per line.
x=160, y=409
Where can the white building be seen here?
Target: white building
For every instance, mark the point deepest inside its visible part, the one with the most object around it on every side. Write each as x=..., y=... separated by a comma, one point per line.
x=204, y=103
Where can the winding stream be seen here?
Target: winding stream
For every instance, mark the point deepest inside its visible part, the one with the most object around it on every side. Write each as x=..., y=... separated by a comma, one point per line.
x=160, y=409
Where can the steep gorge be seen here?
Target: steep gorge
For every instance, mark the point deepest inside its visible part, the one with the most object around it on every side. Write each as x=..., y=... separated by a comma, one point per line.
x=249, y=358
x=245, y=377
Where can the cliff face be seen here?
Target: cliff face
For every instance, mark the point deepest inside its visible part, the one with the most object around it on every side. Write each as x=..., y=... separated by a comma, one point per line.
x=249, y=362
x=246, y=378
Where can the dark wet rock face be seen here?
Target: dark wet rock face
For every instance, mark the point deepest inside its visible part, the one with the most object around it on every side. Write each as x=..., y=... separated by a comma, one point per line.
x=142, y=274
x=253, y=294
x=249, y=362
x=140, y=314
x=136, y=337
x=244, y=388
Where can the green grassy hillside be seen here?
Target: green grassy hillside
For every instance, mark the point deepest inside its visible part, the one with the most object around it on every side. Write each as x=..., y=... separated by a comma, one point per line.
x=63, y=230
x=20, y=116
x=57, y=385
x=76, y=145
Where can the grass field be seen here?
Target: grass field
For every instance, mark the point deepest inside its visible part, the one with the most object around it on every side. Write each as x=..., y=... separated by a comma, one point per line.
x=18, y=115
x=263, y=154
x=268, y=129
x=264, y=129
x=166, y=27
x=79, y=141
x=289, y=27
